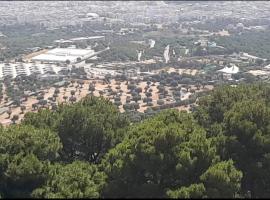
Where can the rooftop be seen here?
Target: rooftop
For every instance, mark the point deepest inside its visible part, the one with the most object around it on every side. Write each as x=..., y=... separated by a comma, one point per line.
x=230, y=70
x=64, y=54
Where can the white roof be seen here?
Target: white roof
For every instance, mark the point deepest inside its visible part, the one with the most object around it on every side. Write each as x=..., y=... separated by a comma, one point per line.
x=258, y=72
x=267, y=66
x=92, y=14
x=252, y=57
x=63, y=54
x=230, y=70
x=87, y=38
x=48, y=57
x=68, y=51
x=63, y=41
x=149, y=73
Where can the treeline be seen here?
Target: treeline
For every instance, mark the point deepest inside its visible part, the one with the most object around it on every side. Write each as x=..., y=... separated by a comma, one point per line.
x=90, y=150
x=215, y=25
x=20, y=38
x=253, y=42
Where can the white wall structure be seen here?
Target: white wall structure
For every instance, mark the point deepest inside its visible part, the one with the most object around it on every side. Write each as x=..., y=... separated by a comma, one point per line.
x=166, y=53
x=152, y=43
x=87, y=38
x=139, y=55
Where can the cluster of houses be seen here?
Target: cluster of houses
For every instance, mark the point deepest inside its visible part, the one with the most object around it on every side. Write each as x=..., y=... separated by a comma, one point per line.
x=25, y=69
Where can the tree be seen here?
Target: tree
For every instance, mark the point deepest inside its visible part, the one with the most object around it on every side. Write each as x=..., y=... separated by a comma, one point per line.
x=87, y=128
x=42, y=119
x=137, y=98
x=54, y=106
x=160, y=102
x=237, y=119
x=55, y=96
x=72, y=92
x=72, y=99
x=40, y=97
x=176, y=93
x=136, y=106
x=17, y=101
x=67, y=62
x=148, y=94
x=9, y=112
x=192, y=91
x=72, y=82
x=81, y=83
x=65, y=98
x=75, y=180
x=23, y=108
x=165, y=152
x=41, y=142
x=101, y=93
x=118, y=103
x=127, y=106
x=222, y=180
x=246, y=126
x=161, y=89
x=193, y=191
x=188, y=87
x=117, y=98
x=42, y=102
x=91, y=88
x=138, y=90
x=174, y=83
x=21, y=175
x=131, y=87
x=51, y=98
x=34, y=106
x=15, y=118
x=79, y=59
x=56, y=91
x=259, y=61
x=198, y=86
x=134, y=94
x=23, y=166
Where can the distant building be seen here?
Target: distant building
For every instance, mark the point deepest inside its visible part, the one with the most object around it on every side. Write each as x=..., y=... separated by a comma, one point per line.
x=25, y=69
x=92, y=15
x=87, y=38
x=228, y=71
x=267, y=67
x=202, y=42
x=212, y=44
x=63, y=55
x=60, y=84
x=246, y=56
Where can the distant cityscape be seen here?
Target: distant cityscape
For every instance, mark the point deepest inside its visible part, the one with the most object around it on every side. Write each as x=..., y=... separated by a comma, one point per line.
x=63, y=13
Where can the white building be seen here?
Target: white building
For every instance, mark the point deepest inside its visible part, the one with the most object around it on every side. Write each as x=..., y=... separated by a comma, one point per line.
x=228, y=71
x=250, y=57
x=15, y=69
x=92, y=15
x=62, y=55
